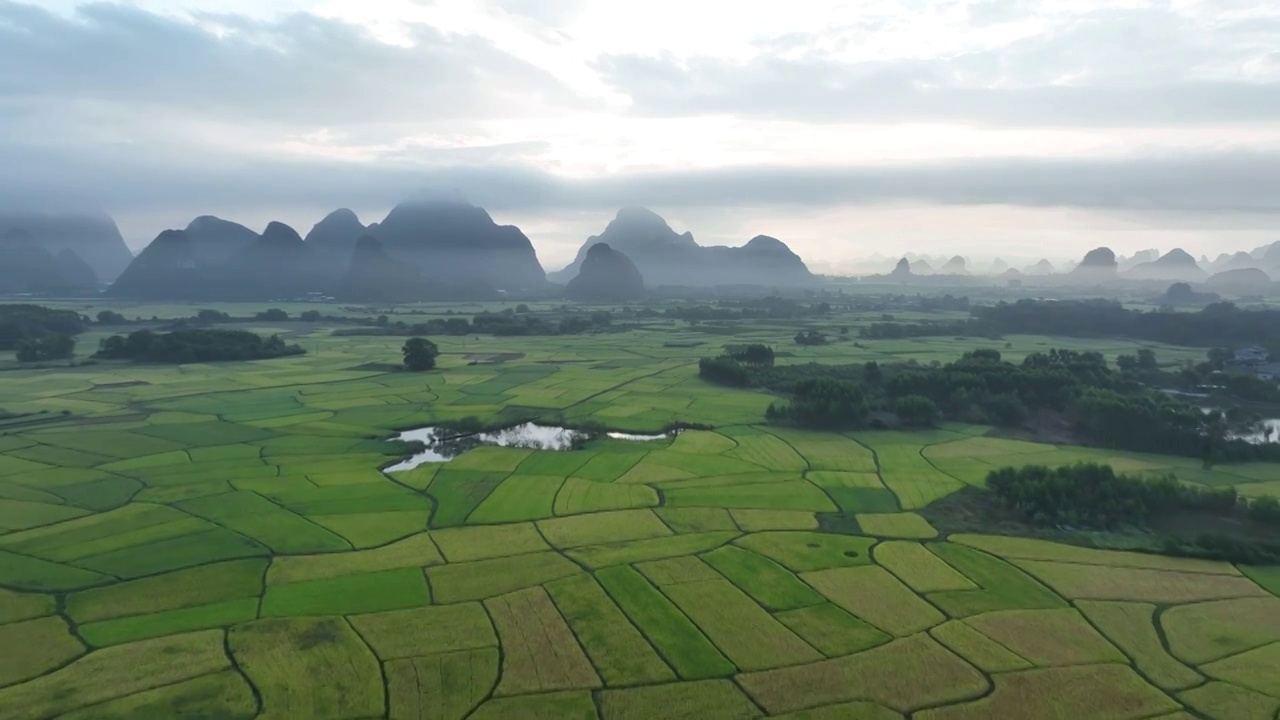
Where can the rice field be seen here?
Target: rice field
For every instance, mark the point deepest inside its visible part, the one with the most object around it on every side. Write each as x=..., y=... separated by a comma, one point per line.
x=221, y=540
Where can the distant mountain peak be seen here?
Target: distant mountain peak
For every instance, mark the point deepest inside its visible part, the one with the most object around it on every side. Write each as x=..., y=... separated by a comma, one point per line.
x=278, y=234
x=608, y=275
x=665, y=257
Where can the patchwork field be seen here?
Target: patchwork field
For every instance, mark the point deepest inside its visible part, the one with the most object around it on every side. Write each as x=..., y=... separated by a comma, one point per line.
x=220, y=541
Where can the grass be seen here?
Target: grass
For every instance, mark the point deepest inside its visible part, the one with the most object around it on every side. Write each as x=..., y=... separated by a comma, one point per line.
x=24, y=606
x=1105, y=692
x=181, y=552
x=172, y=591
x=432, y=630
x=252, y=515
x=750, y=637
x=459, y=582
x=170, y=622
x=1224, y=700
x=983, y=652
x=832, y=631
x=172, y=498
x=366, y=530
x=577, y=496
x=807, y=551
x=519, y=497
x=718, y=699
x=1131, y=626
x=617, y=526
x=895, y=525
x=1079, y=582
x=768, y=583
x=1047, y=638
x=1003, y=587
x=765, y=520
x=1253, y=669
x=35, y=647
x=600, y=556
x=466, y=544
x=1205, y=632
x=558, y=705
x=616, y=648
x=904, y=675
x=308, y=667
x=920, y=569
x=412, y=552
x=446, y=685
x=678, y=640
x=116, y=672
x=696, y=520
x=23, y=572
x=223, y=694
x=1032, y=549
x=348, y=594
x=792, y=495
x=872, y=594
x=540, y=653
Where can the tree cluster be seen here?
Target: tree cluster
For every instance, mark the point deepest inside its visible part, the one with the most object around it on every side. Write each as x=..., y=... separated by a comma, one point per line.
x=1088, y=495
x=24, y=322
x=810, y=337
x=1103, y=406
x=191, y=346
x=419, y=354
x=756, y=354
x=822, y=404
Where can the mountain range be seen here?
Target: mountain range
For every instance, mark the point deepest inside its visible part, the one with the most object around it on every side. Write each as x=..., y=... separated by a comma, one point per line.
x=80, y=238
x=665, y=257
x=432, y=250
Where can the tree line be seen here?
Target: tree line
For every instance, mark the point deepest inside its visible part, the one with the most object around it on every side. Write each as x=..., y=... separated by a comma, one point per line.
x=192, y=346
x=1101, y=405
x=1094, y=497
x=1220, y=324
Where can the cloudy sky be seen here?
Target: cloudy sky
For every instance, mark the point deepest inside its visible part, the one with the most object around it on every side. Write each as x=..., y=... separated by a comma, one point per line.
x=1019, y=128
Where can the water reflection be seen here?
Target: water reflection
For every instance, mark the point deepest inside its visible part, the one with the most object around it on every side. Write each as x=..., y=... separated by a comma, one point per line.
x=442, y=448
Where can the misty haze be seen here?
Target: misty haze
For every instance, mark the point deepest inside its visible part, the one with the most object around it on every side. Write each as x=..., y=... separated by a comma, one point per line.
x=479, y=359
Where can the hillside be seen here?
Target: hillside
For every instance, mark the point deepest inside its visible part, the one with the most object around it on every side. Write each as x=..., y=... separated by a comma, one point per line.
x=457, y=242
x=667, y=258
x=94, y=238
x=606, y=274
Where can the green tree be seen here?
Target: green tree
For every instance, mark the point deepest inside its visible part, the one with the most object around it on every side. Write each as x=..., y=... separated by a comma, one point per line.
x=419, y=354
x=51, y=346
x=916, y=410
x=1147, y=359
x=272, y=315
x=109, y=317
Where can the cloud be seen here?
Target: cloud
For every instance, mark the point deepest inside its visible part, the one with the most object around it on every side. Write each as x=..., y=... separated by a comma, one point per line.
x=296, y=69
x=1103, y=68
x=495, y=176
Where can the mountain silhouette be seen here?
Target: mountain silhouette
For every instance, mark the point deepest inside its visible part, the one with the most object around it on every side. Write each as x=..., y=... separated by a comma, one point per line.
x=166, y=269
x=665, y=257
x=1176, y=264
x=214, y=240
x=94, y=238
x=1099, y=264
x=457, y=242
x=334, y=238
x=1239, y=280
x=607, y=275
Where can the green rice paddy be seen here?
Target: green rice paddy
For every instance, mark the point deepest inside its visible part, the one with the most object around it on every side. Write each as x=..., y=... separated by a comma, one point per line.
x=219, y=540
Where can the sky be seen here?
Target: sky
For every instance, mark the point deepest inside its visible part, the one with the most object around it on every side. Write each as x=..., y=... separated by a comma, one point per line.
x=1011, y=128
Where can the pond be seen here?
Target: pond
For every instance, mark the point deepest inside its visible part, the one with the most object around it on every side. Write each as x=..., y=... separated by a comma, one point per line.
x=443, y=448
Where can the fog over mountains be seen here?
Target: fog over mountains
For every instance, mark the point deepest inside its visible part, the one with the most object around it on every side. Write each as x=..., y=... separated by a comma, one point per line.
x=435, y=249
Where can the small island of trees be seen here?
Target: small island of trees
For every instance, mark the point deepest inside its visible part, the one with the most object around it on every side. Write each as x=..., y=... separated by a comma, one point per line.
x=192, y=346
